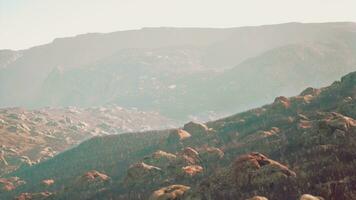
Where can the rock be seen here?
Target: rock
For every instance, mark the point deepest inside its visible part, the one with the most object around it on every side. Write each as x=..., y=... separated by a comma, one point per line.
x=192, y=170
x=33, y=196
x=190, y=155
x=197, y=128
x=255, y=161
x=305, y=124
x=310, y=197
x=341, y=122
x=310, y=91
x=9, y=184
x=94, y=175
x=141, y=172
x=161, y=159
x=178, y=135
x=258, y=198
x=282, y=101
x=173, y=192
x=48, y=182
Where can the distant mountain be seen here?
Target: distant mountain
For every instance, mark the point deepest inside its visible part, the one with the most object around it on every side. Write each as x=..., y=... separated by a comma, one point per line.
x=180, y=72
x=28, y=137
x=298, y=145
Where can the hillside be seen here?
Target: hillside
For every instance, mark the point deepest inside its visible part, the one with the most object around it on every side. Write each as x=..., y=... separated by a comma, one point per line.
x=297, y=145
x=28, y=137
x=163, y=69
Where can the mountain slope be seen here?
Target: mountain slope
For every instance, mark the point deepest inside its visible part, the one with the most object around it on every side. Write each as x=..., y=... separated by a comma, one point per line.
x=302, y=137
x=28, y=137
x=157, y=66
x=159, y=79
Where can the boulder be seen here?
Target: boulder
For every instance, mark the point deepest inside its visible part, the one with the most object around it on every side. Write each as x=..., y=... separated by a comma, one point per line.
x=161, y=159
x=310, y=91
x=282, y=102
x=258, y=198
x=34, y=196
x=341, y=122
x=310, y=197
x=178, y=135
x=190, y=155
x=142, y=172
x=48, y=182
x=192, y=170
x=257, y=161
x=172, y=192
x=197, y=128
x=94, y=175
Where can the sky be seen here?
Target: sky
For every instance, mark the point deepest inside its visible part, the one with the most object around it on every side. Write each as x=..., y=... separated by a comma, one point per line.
x=27, y=23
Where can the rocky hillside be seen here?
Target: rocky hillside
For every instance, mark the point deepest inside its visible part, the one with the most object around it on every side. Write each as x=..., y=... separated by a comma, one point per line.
x=163, y=69
x=28, y=137
x=300, y=147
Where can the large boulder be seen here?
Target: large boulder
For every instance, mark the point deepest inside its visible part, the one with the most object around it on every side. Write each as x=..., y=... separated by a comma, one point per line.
x=142, y=173
x=172, y=192
x=192, y=170
x=161, y=159
x=96, y=176
x=256, y=161
x=310, y=197
x=258, y=198
x=177, y=136
x=197, y=129
x=282, y=102
x=190, y=156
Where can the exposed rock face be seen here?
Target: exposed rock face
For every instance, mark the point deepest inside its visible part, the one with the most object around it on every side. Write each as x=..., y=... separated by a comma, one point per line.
x=95, y=176
x=310, y=91
x=192, y=170
x=310, y=197
x=282, y=102
x=43, y=133
x=258, y=198
x=9, y=184
x=190, y=155
x=141, y=172
x=256, y=161
x=178, y=135
x=197, y=128
x=250, y=172
x=161, y=159
x=172, y=192
x=34, y=196
x=48, y=182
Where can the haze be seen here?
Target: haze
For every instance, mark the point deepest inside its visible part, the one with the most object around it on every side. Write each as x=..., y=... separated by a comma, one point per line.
x=24, y=24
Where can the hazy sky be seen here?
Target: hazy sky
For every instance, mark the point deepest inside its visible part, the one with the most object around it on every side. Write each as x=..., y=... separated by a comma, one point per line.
x=26, y=23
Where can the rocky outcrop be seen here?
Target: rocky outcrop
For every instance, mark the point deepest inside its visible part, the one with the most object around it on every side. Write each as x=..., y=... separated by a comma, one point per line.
x=142, y=173
x=258, y=198
x=9, y=184
x=282, y=102
x=34, y=196
x=161, y=159
x=48, y=182
x=177, y=136
x=172, y=192
x=255, y=161
x=197, y=129
x=192, y=170
x=190, y=155
x=310, y=197
x=95, y=176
